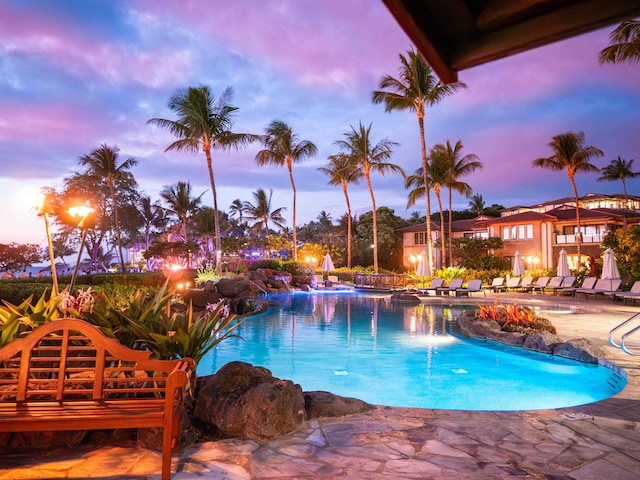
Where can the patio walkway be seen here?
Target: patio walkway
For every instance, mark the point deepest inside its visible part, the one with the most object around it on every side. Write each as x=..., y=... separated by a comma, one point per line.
x=596, y=441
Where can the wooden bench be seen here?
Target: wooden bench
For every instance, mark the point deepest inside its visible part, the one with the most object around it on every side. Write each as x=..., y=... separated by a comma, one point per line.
x=66, y=375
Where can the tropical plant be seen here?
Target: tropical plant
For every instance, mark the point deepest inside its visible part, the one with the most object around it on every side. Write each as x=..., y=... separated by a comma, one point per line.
x=282, y=147
x=368, y=159
x=262, y=213
x=204, y=124
x=570, y=154
x=181, y=204
x=514, y=318
x=625, y=44
x=103, y=163
x=619, y=169
x=476, y=204
x=206, y=274
x=414, y=90
x=342, y=171
x=153, y=220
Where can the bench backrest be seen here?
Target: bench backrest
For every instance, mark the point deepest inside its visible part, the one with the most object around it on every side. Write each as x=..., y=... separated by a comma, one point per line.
x=70, y=359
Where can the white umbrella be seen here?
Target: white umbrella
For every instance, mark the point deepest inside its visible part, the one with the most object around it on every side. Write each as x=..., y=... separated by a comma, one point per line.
x=518, y=266
x=609, y=265
x=563, y=264
x=327, y=263
x=422, y=270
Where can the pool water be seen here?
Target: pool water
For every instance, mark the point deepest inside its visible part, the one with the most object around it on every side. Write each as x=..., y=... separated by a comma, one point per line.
x=365, y=346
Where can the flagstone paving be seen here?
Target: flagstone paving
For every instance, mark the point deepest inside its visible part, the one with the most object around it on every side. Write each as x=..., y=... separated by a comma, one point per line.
x=595, y=441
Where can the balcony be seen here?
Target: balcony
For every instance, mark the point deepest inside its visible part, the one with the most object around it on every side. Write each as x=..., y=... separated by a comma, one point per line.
x=570, y=239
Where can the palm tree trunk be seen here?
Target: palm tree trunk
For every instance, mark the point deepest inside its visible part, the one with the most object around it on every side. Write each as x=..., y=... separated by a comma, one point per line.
x=427, y=191
x=579, y=232
x=450, y=229
x=115, y=216
x=293, y=187
x=344, y=189
x=375, y=224
x=443, y=253
x=216, y=220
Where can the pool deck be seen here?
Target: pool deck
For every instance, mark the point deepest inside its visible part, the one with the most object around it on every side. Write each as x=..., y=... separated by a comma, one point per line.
x=595, y=441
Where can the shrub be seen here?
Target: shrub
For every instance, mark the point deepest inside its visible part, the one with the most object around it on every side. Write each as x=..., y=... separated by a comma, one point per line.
x=514, y=318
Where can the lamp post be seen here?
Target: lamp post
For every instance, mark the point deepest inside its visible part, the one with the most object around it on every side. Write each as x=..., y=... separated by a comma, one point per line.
x=45, y=210
x=84, y=212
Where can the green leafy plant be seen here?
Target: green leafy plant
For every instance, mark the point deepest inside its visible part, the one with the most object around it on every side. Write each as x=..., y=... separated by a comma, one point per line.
x=18, y=320
x=205, y=274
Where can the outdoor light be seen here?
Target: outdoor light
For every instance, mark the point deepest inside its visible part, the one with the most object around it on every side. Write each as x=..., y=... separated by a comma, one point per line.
x=45, y=210
x=84, y=212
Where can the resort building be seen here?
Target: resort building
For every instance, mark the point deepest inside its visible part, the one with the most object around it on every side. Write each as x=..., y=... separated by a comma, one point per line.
x=538, y=232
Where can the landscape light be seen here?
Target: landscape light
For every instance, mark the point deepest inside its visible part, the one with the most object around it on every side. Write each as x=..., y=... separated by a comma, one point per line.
x=44, y=210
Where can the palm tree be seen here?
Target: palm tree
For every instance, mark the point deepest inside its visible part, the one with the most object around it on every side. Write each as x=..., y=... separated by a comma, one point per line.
x=476, y=204
x=414, y=90
x=261, y=214
x=625, y=44
x=342, y=171
x=282, y=147
x=458, y=167
x=368, y=159
x=438, y=175
x=236, y=209
x=153, y=217
x=181, y=204
x=205, y=229
x=104, y=163
x=570, y=153
x=619, y=169
x=204, y=124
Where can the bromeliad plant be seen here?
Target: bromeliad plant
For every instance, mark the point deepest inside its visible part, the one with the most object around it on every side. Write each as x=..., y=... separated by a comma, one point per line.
x=514, y=318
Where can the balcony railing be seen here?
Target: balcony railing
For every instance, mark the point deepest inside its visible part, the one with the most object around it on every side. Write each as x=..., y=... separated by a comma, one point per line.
x=564, y=239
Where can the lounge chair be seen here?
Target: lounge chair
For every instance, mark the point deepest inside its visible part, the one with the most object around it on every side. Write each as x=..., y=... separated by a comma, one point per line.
x=553, y=285
x=540, y=285
x=604, y=285
x=565, y=286
x=587, y=285
x=472, y=286
x=333, y=280
x=498, y=282
x=525, y=284
x=433, y=287
x=454, y=284
x=319, y=281
x=512, y=284
x=633, y=294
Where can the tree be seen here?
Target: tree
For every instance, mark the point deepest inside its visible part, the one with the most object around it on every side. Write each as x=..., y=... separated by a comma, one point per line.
x=18, y=256
x=368, y=159
x=103, y=164
x=153, y=219
x=389, y=239
x=282, y=147
x=181, y=204
x=204, y=227
x=342, y=170
x=458, y=167
x=619, y=169
x=625, y=44
x=570, y=154
x=261, y=213
x=476, y=204
x=414, y=90
x=204, y=123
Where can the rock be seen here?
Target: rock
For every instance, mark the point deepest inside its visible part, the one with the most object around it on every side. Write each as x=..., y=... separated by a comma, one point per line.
x=243, y=400
x=475, y=327
x=542, y=341
x=326, y=404
x=235, y=287
x=579, y=349
x=256, y=276
x=409, y=298
x=201, y=298
x=508, y=338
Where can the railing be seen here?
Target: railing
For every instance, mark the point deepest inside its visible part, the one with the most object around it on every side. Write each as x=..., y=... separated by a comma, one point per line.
x=627, y=334
x=383, y=281
x=566, y=239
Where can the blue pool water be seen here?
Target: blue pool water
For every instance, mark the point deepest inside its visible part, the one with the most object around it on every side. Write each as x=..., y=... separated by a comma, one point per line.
x=392, y=354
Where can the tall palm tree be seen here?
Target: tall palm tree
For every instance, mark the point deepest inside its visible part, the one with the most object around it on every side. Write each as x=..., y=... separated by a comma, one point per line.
x=103, y=163
x=625, y=44
x=619, y=169
x=369, y=159
x=415, y=89
x=282, y=147
x=570, y=154
x=181, y=204
x=153, y=218
x=342, y=171
x=459, y=166
x=438, y=175
x=261, y=213
x=204, y=123
x=476, y=204
x=236, y=209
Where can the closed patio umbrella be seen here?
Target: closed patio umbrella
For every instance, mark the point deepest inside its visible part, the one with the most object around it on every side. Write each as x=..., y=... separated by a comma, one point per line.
x=327, y=263
x=609, y=265
x=563, y=264
x=422, y=270
x=518, y=266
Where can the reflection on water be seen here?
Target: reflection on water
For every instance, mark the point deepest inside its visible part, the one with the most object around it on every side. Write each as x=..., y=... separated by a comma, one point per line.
x=366, y=346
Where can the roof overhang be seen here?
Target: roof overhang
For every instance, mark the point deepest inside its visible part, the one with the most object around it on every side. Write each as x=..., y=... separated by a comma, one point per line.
x=453, y=35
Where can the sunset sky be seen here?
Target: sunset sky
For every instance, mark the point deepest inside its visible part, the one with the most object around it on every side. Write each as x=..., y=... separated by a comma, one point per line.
x=75, y=74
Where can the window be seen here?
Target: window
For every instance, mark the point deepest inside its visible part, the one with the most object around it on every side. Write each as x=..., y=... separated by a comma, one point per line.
x=505, y=233
x=521, y=231
x=418, y=238
x=529, y=230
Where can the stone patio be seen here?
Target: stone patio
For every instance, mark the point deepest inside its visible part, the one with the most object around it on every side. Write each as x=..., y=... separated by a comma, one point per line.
x=595, y=441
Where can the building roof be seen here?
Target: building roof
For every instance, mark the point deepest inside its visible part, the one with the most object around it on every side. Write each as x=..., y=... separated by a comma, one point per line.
x=465, y=225
x=528, y=216
x=454, y=35
x=558, y=202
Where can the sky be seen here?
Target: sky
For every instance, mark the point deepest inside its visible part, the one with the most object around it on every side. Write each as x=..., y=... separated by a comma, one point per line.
x=76, y=74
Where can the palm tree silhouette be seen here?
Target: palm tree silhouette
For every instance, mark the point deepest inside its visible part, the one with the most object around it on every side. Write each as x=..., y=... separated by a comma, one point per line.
x=181, y=204
x=261, y=213
x=619, y=169
x=625, y=44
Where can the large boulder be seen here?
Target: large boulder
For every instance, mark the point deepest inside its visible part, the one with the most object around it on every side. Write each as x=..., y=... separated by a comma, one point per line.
x=246, y=401
x=579, y=349
x=200, y=298
x=326, y=404
x=542, y=341
x=235, y=287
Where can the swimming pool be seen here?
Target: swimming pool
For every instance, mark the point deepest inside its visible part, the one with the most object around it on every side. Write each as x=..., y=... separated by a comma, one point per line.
x=365, y=346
